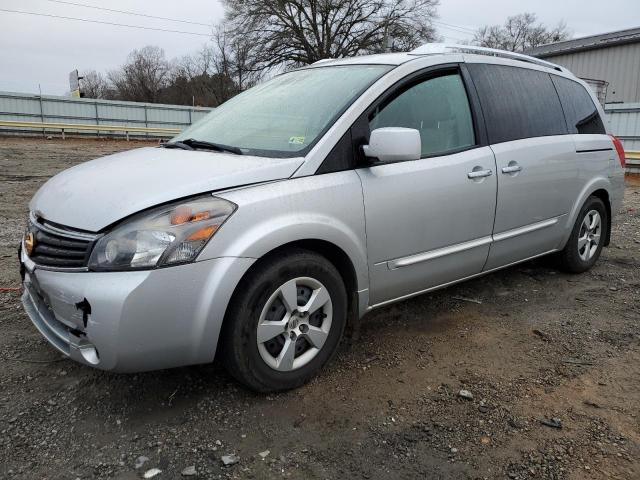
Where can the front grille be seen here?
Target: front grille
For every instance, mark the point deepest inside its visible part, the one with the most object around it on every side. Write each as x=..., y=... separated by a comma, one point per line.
x=59, y=247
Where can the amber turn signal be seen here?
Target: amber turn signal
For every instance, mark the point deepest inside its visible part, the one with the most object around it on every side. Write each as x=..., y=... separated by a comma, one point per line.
x=196, y=217
x=180, y=215
x=184, y=214
x=203, y=233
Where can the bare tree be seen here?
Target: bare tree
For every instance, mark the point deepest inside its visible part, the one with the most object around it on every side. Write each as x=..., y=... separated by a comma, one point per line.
x=234, y=55
x=290, y=33
x=220, y=70
x=263, y=35
x=196, y=79
x=93, y=85
x=143, y=77
x=519, y=33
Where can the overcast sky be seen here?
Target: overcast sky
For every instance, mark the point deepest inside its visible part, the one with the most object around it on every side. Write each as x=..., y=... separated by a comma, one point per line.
x=43, y=50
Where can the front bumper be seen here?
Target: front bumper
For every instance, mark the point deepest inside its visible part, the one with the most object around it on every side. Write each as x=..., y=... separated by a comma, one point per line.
x=133, y=321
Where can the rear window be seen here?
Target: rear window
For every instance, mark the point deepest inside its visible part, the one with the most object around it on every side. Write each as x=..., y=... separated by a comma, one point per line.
x=517, y=102
x=580, y=111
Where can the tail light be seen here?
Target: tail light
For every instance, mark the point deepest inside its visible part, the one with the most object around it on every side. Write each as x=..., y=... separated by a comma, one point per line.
x=620, y=149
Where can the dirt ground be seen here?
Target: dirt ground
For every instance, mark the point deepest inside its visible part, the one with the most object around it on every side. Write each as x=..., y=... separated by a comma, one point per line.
x=537, y=345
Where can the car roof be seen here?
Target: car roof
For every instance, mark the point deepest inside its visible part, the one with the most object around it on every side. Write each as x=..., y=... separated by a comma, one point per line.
x=445, y=51
x=376, y=59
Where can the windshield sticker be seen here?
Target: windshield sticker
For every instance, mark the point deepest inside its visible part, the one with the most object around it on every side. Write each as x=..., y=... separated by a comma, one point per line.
x=296, y=141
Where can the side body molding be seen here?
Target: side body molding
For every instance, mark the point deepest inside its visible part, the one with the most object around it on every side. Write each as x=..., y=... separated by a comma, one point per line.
x=440, y=252
x=532, y=227
x=461, y=247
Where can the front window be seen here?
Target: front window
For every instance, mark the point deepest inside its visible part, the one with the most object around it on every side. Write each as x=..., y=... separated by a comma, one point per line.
x=285, y=116
x=438, y=108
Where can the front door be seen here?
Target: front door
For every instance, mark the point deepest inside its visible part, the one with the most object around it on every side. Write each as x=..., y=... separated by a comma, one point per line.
x=428, y=221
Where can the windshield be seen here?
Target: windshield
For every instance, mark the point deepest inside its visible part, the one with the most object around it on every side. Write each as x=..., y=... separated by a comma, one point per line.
x=286, y=115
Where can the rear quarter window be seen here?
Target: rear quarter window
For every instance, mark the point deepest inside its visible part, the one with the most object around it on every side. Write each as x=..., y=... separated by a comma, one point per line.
x=517, y=102
x=580, y=111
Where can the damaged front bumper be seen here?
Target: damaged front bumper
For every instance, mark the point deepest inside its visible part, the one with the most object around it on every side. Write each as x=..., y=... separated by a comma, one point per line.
x=68, y=338
x=133, y=321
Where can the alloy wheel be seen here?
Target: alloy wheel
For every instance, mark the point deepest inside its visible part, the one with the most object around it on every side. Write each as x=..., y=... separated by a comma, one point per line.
x=294, y=324
x=589, y=236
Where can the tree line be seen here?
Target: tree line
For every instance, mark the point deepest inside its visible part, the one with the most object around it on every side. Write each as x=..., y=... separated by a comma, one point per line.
x=261, y=37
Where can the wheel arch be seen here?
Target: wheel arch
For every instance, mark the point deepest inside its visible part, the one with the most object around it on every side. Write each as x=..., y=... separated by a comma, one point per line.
x=332, y=252
x=603, y=195
x=598, y=187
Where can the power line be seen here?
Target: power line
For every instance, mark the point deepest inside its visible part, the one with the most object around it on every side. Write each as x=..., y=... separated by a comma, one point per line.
x=451, y=26
x=454, y=27
x=128, y=12
x=457, y=40
x=456, y=31
x=104, y=23
x=141, y=27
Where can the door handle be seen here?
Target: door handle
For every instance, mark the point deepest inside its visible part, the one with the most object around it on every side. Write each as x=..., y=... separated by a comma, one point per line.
x=479, y=174
x=511, y=169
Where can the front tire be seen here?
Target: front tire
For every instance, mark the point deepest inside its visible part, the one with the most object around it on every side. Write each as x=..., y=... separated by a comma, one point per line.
x=284, y=322
x=587, y=238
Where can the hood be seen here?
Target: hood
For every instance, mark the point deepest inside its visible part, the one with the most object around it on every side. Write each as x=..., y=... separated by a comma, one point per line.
x=95, y=194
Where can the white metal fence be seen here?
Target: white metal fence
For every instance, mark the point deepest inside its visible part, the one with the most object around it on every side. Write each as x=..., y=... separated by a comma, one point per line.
x=624, y=119
x=52, y=109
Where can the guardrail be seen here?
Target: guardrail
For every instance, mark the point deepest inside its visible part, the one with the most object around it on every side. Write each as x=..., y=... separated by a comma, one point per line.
x=127, y=129
x=25, y=107
x=632, y=161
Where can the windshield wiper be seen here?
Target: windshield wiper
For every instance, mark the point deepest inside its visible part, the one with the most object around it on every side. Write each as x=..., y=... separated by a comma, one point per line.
x=192, y=144
x=180, y=145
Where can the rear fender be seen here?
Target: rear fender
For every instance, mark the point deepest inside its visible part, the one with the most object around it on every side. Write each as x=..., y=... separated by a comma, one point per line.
x=597, y=183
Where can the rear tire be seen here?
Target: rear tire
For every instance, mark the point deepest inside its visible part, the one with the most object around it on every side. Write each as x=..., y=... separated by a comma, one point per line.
x=587, y=238
x=284, y=322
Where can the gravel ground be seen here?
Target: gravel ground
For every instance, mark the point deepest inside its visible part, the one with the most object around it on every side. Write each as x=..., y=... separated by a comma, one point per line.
x=536, y=349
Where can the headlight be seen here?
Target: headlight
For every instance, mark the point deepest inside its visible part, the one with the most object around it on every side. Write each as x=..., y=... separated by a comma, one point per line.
x=167, y=235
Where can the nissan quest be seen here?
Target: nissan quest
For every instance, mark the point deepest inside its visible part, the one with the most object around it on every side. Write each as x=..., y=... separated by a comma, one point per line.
x=260, y=232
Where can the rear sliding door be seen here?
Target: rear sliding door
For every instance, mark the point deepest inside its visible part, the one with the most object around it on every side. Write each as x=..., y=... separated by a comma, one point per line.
x=537, y=168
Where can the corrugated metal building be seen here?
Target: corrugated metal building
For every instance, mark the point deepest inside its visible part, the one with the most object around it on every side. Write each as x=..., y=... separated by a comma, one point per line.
x=624, y=120
x=610, y=64
x=611, y=57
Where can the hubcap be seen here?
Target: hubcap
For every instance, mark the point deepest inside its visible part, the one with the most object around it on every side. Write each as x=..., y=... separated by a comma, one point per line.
x=589, y=236
x=294, y=324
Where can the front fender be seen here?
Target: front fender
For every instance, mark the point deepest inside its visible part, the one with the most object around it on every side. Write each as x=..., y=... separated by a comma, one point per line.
x=322, y=207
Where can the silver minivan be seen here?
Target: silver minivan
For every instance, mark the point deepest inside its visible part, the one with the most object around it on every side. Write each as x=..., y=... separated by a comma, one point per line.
x=296, y=207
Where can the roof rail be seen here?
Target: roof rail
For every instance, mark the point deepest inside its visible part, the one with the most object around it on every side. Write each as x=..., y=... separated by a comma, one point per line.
x=439, y=48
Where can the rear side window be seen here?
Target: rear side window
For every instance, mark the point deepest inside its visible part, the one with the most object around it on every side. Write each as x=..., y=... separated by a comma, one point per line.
x=438, y=108
x=517, y=102
x=579, y=109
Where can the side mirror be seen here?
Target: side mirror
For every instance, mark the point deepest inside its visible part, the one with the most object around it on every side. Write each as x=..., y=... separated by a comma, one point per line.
x=393, y=144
